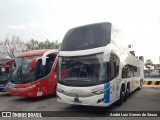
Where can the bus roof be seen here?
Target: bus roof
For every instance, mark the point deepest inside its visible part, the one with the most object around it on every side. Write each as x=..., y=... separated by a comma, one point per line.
x=34, y=52
x=87, y=37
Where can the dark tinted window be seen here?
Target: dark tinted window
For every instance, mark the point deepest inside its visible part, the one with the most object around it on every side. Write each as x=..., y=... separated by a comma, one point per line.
x=81, y=70
x=87, y=37
x=114, y=66
x=130, y=71
x=42, y=71
x=88, y=70
x=136, y=71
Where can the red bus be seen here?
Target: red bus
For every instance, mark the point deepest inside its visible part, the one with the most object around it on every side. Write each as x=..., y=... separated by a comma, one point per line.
x=34, y=74
x=5, y=66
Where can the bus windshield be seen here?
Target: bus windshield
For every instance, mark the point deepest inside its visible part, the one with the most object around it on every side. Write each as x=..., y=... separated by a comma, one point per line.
x=87, y=37
x=82, y=70
x=22, y=71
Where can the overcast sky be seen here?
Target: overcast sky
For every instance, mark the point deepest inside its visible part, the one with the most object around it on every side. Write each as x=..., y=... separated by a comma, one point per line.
x=139, y=20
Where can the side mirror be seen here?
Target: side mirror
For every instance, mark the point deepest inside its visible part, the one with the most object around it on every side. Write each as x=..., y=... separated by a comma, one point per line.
x=7, y=64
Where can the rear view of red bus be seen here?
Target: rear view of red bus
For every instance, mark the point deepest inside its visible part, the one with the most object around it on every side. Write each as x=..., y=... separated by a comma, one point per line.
x=34, y=74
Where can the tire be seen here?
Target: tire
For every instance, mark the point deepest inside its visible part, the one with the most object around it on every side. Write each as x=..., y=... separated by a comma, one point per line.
x=141, y=83
x=127, y=93
x=121, y=99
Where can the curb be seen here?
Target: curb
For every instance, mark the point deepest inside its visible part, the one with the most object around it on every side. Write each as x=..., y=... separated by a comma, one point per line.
x=151, y=82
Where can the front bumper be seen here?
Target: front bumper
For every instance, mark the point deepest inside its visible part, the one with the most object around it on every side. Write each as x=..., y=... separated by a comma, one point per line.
x=96, y=100
x=23, y=93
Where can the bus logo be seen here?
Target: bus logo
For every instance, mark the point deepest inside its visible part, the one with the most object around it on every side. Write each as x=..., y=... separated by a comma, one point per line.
x=6, y=114
x=76, y=99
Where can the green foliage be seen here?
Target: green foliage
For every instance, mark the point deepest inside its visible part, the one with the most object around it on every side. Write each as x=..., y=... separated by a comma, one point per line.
x=32, y=45
x=148, y=64
x=35, y=45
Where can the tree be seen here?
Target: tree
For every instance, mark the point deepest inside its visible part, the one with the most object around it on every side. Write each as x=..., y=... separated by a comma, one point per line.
x=12, y=46
x=32, y=45
x=57, y=45
x=35, y=45
x=148, y=64
x=51, y=45
x=41, y=45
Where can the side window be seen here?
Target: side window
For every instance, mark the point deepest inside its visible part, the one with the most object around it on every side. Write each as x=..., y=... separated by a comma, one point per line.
x=136, y=71
x=49, y=63
x=39, y=70
x=112, y=69
x=130, y=71
x=117, y=65
x=125, y=72
x=114, y=66
x=42, y=71
x=107, y=71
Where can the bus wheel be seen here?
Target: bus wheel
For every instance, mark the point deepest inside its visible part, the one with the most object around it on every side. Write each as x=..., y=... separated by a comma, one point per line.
x=122, y=95
x=141, y=83
x=127, y=92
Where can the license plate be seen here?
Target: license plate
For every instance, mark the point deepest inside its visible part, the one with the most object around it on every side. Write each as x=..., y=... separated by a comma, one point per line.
x=39, y=93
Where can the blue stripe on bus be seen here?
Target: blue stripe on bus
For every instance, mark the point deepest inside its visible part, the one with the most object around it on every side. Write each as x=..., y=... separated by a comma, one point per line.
x=107, y=94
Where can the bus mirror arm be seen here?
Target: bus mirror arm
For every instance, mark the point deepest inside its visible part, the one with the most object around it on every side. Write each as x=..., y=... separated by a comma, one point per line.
x=44, y=56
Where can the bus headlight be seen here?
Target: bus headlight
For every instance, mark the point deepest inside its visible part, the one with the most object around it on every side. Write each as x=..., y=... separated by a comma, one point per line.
x=97, y=92
x=10, y=85
x=27, y=88
x=60, y=90
x=32, y=86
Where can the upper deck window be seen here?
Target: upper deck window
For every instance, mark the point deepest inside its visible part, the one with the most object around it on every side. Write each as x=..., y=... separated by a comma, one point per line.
x=87, y=37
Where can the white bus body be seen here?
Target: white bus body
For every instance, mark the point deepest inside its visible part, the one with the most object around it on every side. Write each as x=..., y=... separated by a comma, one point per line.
x=95, y=69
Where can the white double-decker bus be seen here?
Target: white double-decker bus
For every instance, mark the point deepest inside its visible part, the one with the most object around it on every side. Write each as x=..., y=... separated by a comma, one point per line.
x=94, y=67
